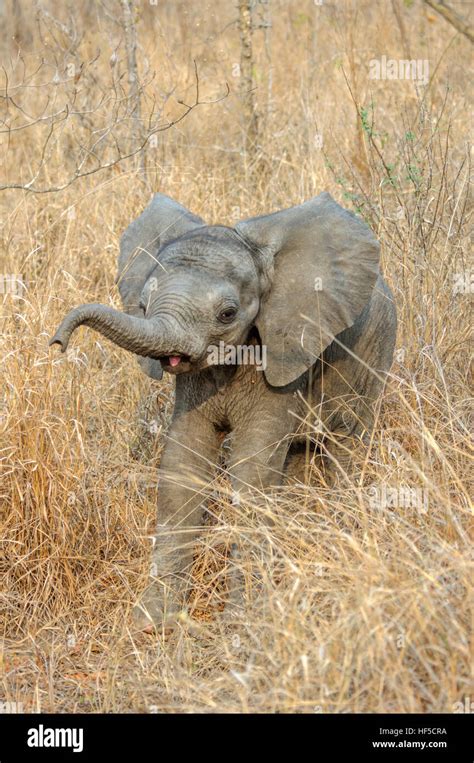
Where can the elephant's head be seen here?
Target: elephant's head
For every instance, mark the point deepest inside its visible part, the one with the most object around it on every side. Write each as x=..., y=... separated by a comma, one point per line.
x=300, y=276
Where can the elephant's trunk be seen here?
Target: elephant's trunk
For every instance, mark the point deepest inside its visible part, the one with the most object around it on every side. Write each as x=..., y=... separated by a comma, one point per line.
x=141, y=336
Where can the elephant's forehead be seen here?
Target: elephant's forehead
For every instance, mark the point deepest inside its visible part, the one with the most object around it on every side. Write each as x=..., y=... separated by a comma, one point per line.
x=215, y=248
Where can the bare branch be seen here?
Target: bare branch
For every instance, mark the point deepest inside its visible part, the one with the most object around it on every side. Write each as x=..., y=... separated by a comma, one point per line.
x=122, y=111
x=85, y=118
x=452, y=17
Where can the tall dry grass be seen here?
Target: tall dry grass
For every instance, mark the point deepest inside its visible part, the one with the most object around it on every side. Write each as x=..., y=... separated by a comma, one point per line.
x=349, y=607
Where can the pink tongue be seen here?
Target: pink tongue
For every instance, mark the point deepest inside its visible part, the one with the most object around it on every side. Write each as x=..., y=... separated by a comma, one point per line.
x=175, y=360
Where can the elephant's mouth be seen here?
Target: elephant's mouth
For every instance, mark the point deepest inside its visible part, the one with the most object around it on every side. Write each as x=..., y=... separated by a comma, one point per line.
x=175, y=363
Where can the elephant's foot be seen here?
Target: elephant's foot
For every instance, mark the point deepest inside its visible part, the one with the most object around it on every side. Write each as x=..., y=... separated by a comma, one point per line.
x=157, y=610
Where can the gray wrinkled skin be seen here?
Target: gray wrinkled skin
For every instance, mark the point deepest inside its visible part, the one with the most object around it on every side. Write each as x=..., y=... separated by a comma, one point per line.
x=304, y=283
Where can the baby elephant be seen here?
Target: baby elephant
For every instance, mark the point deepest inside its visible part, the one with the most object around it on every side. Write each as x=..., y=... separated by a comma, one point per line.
x=277, y=330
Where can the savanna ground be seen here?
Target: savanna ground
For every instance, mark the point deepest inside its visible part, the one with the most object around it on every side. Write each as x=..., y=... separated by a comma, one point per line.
x=351, y=604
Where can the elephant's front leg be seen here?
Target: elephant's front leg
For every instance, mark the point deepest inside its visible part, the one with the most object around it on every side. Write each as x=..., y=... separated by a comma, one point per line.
x=257, y=465
x=187, y=468
x=342, y=455
x=258, y=461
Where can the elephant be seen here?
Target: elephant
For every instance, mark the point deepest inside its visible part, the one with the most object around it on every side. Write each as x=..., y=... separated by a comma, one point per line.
x=301, y=289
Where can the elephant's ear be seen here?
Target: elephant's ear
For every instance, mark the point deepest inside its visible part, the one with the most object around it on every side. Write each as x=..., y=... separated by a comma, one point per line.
x=161, y=221
x=325, y=263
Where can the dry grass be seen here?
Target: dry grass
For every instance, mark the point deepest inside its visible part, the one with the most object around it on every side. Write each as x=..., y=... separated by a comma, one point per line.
x=349, y=607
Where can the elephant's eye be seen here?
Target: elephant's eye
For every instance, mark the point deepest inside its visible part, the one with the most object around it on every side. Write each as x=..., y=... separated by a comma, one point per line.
x=227, y=315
